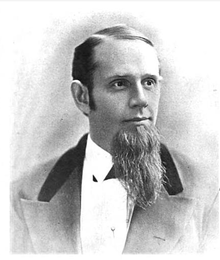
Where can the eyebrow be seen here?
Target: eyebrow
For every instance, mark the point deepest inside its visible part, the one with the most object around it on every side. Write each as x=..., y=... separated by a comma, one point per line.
x=147, y=75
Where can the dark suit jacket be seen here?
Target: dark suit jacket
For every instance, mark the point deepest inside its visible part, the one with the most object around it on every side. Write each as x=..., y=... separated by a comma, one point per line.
x=46, y=218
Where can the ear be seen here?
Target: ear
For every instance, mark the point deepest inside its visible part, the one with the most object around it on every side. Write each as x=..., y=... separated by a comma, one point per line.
x=81, y=96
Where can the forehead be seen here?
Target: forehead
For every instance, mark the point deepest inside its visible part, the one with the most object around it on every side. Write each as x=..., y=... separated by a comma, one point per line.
x=126, y=56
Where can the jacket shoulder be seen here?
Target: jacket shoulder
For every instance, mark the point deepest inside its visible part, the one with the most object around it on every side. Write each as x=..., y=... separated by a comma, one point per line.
x=29, y=184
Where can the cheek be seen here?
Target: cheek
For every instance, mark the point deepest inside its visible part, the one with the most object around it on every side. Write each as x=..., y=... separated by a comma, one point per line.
x=154, y=103
x=109, y=106
x=111, y=110
x=155, y=97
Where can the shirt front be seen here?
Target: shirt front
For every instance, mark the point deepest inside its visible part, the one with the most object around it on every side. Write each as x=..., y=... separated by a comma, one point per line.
x=104, y=211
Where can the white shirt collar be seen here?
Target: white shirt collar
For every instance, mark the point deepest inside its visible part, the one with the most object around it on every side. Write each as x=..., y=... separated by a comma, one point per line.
x=105, y=210
x=99, y=161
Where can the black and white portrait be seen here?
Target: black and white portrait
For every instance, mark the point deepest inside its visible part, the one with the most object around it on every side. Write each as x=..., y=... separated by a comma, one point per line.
x=114, y=144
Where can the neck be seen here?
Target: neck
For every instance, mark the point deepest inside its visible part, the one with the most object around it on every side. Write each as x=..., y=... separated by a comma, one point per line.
x=103, y=143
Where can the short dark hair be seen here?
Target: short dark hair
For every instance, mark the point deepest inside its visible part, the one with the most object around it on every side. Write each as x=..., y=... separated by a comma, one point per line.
x=84, y=64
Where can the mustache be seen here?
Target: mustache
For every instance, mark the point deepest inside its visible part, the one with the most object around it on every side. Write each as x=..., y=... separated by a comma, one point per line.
x=136, y=157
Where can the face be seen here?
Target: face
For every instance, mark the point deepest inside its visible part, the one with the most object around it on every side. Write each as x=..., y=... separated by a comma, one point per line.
x=126, y=88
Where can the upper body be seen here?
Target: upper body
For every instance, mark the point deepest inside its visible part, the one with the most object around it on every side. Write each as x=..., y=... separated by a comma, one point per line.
x=116, y=84
x=46, y=210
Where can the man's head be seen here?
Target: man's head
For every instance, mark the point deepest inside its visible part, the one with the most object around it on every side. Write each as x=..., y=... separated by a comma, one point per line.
x=84, y=62
x=116, y=81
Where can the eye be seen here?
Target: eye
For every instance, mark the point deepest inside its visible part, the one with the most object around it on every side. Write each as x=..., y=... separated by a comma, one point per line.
x=120, y=84
x=149, y=83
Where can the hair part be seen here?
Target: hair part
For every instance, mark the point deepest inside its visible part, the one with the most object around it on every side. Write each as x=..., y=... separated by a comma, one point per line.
x=84, y=64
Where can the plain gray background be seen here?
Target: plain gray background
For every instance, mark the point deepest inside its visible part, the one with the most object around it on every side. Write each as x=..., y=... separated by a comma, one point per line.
x=45, y=120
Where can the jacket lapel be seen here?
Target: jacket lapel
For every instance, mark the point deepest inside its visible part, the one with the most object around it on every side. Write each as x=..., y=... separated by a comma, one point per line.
x=54, y=226
x=158, y=228
x=54, y=220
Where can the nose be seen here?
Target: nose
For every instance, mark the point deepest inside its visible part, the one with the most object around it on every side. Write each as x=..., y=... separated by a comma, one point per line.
x=138, y=97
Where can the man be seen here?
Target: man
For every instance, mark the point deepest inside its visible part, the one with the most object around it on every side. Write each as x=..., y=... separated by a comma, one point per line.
x=119, y=190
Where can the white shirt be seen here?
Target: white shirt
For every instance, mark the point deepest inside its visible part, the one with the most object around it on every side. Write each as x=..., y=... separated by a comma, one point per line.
x=104, y=220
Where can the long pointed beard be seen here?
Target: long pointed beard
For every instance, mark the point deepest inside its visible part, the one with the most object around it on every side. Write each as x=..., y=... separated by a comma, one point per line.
x=136, y=157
